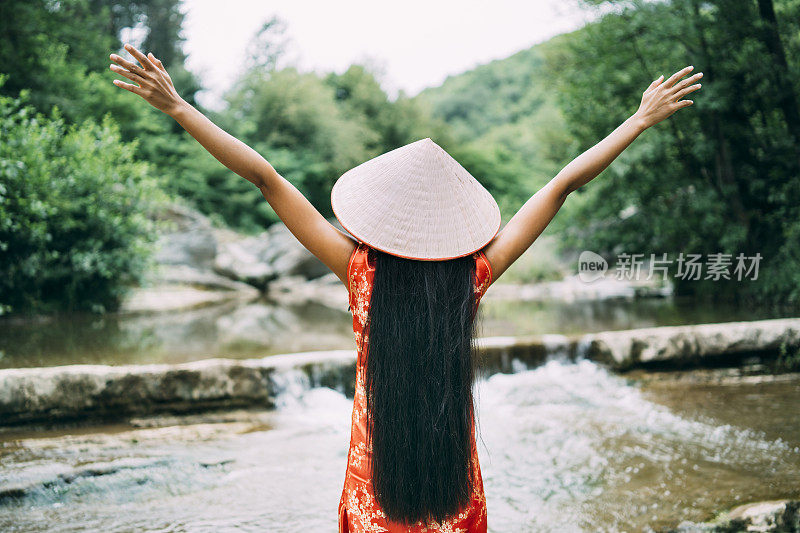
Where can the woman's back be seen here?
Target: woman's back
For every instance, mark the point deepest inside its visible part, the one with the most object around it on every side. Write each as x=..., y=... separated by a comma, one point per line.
x=358, y=509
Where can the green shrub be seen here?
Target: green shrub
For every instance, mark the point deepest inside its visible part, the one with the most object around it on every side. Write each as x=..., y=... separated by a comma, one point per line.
x=74, y=204
x=788, y=358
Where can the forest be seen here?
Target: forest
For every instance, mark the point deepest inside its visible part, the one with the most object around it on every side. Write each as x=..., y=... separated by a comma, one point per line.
x=84, y=166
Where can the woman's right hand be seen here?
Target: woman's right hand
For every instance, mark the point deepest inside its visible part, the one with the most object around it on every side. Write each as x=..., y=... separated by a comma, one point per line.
x=154, y=83
x=661, y=99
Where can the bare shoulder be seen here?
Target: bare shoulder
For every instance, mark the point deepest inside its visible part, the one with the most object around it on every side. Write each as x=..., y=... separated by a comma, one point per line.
x=341, y=248
x=498, y=254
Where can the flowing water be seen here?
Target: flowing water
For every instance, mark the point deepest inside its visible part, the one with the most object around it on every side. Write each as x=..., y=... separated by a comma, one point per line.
x=563, y=447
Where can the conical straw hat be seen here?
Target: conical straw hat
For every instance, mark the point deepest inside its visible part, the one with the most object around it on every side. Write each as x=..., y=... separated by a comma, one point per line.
x=416, y=202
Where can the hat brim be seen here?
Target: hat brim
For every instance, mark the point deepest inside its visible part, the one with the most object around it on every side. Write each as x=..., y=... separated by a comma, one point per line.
x=416, y=202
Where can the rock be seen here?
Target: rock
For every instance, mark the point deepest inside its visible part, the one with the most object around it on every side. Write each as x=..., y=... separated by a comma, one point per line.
x=49, y=394
x=781, y=516
x=206, y=279
x=187, y=238
x=197, y=263
x=186, y=250
x=168, y=297
x=243, y=260
x=261, y=259
x=183, y=287
x=290, y=258
x=327, y=290
x=691, y=345
x=80, y=391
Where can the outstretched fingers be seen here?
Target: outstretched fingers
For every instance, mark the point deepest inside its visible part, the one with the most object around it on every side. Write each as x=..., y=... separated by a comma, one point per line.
x=132, y=67
x=154, y=84
x=680, y=88
x=147, y=74
x=140, y=57
x=683, y=92
x=130, y=75
x=157, y=62
x=691, y=79
x=654, y=84
x=678, y=75
x=129, y=87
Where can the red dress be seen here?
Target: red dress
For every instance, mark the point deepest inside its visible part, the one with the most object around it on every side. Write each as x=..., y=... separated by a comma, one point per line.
x=358, y=510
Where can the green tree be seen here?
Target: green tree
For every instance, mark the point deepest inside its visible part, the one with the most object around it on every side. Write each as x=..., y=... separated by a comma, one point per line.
x=721, y=178
x=508, y=131
x=50, y=47
x=387, y=123
x=75, y=230
x=293, y=119
x=58, y=51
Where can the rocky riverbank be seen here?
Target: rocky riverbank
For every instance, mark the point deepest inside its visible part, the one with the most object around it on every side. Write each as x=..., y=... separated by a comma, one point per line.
x=198, y=264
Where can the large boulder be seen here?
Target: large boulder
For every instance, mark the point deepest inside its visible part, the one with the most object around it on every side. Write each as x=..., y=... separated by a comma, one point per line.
x=242, y=258
x=182, y=278
x=203, y=279
x=186, y=238
x=198, y=264
x=293, y=290
x=271, y=255
x=79, y=391
x=290, y=258
x=781, y=515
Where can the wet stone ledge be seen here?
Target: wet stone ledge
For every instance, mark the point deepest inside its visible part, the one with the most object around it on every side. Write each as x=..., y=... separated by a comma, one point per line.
x=723, y=344
x=77, y=392
x=41, y=395
x=780, y=516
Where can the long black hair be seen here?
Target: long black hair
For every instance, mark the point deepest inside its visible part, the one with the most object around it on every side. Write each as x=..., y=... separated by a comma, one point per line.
x=421, y=366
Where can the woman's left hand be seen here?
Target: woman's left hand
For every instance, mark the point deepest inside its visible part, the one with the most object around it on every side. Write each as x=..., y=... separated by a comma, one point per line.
x=661, y=99
x=154, y=83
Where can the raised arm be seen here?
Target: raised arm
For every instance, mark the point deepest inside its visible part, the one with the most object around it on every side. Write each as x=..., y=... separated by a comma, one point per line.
x=332, y=246
x=659, y=101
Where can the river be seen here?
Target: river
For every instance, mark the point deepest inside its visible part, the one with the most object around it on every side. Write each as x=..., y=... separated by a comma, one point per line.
x=563, y=447
x=264, y=328
x=566, y=446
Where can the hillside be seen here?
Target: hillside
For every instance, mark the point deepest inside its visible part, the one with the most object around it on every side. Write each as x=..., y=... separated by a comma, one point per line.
x=508, y=105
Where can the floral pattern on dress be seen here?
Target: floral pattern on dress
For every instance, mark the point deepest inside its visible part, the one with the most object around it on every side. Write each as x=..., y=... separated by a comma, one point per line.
x=359, y=454
x=362, y=507
x=359, y=512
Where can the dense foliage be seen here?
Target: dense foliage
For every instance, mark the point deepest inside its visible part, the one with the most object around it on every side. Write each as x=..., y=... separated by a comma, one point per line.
x=74, y=205
x=510, y=131
x=76, y=190
x=722, y=176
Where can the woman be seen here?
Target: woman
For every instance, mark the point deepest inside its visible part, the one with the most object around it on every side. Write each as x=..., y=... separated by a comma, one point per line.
x=428, y=246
